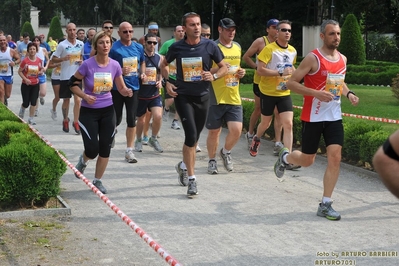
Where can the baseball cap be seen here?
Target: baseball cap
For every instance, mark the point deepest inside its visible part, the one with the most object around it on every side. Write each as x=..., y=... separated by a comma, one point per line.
x=272, y=22
x=227, y=23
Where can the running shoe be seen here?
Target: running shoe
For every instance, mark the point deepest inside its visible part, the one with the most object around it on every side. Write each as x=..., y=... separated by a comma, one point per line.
x=65, y=125
x=21, y=113
x=99, y=185
x=138, y=146
x=326, y=210
x=175, y=125
x=192, y=188
x=280, y=165
x=212, y=167
x=31, y=121
x=42, y=101
x=155, y=144
x=198, y=149
x=75, y=126
x=53, y=114
x=292, y=167
x=277, y=147
x=183, y=175
x=36, y=112
x=253, y=150
x=249, y=140
x=129, y=157
x=228, y=164
x=165, y=115
x=144, y=140
x=81, y=165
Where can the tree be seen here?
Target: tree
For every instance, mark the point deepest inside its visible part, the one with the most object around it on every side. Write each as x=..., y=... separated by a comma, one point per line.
x=25, y=10
x=55, y=30
x=27, y=27
x=352, y=44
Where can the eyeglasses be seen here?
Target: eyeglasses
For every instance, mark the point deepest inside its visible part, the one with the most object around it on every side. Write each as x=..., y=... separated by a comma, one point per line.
x=127, y=31
x=108, y=27
x=150, y=42
x=205, y=34
x=285, y=30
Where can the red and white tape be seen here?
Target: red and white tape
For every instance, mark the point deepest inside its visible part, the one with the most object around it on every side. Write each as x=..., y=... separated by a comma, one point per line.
x=372, y=118
x=149, y=240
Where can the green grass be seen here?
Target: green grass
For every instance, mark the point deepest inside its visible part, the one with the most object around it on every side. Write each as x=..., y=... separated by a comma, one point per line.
x=373, y=101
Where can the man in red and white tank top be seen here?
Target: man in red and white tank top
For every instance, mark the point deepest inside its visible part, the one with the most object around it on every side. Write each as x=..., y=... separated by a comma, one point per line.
x=323, y=71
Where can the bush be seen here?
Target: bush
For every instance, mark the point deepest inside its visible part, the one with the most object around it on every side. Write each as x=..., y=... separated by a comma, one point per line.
x=27, y=27
x=30, y=170
x=371, y=141
x=352, y=44
x=395, y=86
x=55, y=30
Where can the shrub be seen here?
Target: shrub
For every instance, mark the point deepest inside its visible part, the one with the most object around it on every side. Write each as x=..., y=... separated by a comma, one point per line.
x=249, y=76
x=395, y=86
x=55, y=30
x=27, y=27
x=371, y=141
x=352, y=45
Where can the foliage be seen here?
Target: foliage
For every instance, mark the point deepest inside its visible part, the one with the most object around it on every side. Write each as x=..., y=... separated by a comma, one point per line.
x=9, y=18
x=371, y=141
x=395, y=87
x=352, y=45
x=55, y=30
x=381, y=47
x=25, y=10
x=30, y=170
x=27, y=27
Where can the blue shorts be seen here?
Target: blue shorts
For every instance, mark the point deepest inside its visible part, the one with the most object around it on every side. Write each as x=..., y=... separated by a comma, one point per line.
x=42, y=79
x=147, y=104
x=7, y=79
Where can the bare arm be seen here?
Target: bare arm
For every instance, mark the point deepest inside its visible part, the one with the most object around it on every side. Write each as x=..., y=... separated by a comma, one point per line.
x=121, y=86
x=255, y=48
x=15, y=55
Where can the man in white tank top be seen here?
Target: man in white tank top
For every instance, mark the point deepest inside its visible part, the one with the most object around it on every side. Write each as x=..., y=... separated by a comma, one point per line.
x=8, y=58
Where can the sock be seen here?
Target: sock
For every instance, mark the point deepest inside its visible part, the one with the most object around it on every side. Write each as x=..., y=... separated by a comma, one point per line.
x=192, y=178
x=96, y=179
x=278, y=143
x=285, y=159
x=129, y=149
x=326, y=199
x=138, y=139
x=224, y=151
x=250, y=135
x=154, y=137
x=183, y=166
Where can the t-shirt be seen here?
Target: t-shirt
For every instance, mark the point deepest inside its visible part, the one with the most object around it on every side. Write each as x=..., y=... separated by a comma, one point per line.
x=99, y=81
x=22, y=49
x=53, y=45
x=226, y=89
x=276, y=57
x=12, y=45
x=133, y=56
x=5, y=60
x=149, y=90
x=31, y=69
x=86, y=50
x=191, y=60
x=172, y=65
x=64, y=48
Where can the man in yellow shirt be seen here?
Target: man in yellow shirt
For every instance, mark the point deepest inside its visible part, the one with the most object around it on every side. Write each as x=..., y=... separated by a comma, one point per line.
x=53, y=44
x=225, y=101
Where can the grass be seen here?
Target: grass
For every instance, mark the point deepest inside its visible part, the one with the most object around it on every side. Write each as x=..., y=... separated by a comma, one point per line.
x=373, y=101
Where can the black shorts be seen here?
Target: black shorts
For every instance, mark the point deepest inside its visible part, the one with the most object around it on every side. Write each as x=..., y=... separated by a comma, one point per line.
x=267, y=104
x=147, y=104
x=65, y=91
x=256, y=90
x=55, y=82
x=333, y=133
x=217, y=114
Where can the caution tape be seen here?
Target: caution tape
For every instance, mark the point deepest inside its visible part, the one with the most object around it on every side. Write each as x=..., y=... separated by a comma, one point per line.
x=365, y=117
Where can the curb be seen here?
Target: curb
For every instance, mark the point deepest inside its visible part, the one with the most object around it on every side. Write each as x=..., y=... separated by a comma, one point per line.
x=65, y=210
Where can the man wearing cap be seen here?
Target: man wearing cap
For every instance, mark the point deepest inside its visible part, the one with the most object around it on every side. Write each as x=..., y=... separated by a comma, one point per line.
x=153, y=28
x=194, y=56
x=275, y=66
x=225, y=101
x=255, y=48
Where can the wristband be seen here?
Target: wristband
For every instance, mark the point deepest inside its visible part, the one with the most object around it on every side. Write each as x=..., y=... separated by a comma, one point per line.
x=350, y=92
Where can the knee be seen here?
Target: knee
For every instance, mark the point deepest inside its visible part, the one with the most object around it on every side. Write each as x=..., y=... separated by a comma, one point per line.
x=190, y=140
x=92, y=152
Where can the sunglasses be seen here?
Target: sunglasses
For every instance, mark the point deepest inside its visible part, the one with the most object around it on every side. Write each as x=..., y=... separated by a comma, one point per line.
x=127, y=31
x=205, y=35
x=285, y=30
x=108, y=28
x=150, y=42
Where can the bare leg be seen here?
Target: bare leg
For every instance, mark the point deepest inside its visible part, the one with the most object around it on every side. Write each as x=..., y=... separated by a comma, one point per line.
x=130, y=134
x=212, y=142
x=101, y=165
x=255, y=115
x=189, y=155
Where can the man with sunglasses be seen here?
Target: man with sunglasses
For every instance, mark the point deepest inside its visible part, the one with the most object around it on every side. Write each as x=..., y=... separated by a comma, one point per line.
x=275, y=66
x=194, y=57
x=130, y=56
x=225, y=101
x=108, y=27
x=205, y=31
x=255, y=48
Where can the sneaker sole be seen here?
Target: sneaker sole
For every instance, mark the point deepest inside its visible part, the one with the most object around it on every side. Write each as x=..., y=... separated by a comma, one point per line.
x=331, y=218
x=131, y=160
x=214, y=172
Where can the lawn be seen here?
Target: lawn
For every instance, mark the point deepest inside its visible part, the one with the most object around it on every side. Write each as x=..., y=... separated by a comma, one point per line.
x=373, y=101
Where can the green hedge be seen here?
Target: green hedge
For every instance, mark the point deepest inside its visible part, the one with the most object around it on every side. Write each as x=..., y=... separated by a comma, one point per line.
x=30, y=170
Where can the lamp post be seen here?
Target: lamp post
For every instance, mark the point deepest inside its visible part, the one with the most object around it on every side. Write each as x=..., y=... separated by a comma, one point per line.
x=145, y=4
x=96, y=12
x=332, y=9
x=212, y=13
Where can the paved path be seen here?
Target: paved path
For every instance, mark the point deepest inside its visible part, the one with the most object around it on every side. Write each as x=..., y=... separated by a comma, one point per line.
x=246, y=217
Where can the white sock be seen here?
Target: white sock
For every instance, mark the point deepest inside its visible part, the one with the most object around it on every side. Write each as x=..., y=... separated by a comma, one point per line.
x=326, y=199
x=250, y=135
x=97, y=179
x=191, y=177
x=285, y=159
x=129, y=149
x=278, y=143
x=183, y=166
x=224, y=151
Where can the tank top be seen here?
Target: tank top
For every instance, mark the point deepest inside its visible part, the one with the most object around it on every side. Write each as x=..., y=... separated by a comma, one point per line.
x=256, y=76
x=149, y=89
x=5, y=59
x=330, y=76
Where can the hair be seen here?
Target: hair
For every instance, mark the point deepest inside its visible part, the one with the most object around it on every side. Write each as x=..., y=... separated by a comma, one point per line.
x=80, y=30
x=98, y=36
x=176, y=28
x=149, y=35
x=152, y=23
x=106, y=21
x=32, y=44
x=25, y=35
x=327, y=22
x=188, y=15
x=205, y=26
x=283, y=22
x=36, y=37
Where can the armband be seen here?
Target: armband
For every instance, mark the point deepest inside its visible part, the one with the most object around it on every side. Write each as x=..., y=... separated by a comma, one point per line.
x=350, y=92
x=389, y=151
x=72, y=80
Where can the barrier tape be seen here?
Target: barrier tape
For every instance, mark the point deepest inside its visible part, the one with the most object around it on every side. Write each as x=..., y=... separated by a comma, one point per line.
x=149, y=240
x=372, y=118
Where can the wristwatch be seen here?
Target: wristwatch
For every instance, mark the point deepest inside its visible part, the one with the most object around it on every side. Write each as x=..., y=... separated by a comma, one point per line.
x=281, y=71
x=215, y=76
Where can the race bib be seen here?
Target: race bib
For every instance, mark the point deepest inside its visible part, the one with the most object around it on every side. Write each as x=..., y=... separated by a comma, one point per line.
x=230, y=78
x=172, y=69
x=151, y=73
x=33, y=71
x=281, y=83
x=334, y=84
x=132, y=63
x=4, y=66
x=74, y=59
x=102, y=82
x=192, y=68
